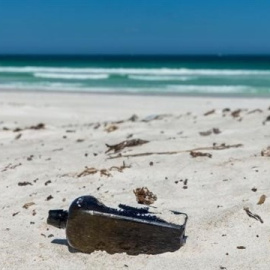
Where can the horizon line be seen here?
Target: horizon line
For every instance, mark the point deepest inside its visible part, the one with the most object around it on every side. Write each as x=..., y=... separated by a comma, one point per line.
x=134, y=55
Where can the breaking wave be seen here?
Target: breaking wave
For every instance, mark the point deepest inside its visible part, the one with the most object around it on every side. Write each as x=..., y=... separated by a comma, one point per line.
x=135, y=71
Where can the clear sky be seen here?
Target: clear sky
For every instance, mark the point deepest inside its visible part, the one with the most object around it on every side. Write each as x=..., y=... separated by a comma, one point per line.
x=135, y=26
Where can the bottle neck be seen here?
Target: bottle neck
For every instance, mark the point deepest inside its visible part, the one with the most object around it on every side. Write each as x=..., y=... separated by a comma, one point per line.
x=58, y=218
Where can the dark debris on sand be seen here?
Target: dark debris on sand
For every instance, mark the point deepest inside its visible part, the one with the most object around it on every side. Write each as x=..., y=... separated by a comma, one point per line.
x=144, y=196
x=195, y=154
x=24, y=183
x=127, y=143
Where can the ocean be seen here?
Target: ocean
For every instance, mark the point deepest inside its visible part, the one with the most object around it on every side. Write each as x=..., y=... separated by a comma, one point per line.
x=152, y=75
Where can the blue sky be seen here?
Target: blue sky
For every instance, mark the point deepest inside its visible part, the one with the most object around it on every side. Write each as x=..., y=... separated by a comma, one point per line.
x=134, y=26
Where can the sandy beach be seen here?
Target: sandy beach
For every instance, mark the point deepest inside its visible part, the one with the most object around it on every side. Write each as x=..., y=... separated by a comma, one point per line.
x=203, y=158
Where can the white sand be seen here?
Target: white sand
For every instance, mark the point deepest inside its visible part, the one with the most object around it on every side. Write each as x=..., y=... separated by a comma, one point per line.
x=218, y=187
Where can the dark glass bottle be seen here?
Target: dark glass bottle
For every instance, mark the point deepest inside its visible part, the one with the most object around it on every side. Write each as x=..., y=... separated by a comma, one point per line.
x=90, y=226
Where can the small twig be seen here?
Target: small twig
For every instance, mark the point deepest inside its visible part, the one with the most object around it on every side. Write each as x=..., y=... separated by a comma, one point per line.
x=215, y=147
x=257, y=217
x=102, y=172
x=121, y=168
x=105, y=172
x=87, y=171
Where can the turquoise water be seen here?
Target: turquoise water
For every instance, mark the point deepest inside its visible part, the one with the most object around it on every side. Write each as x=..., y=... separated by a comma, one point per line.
x=189, y=75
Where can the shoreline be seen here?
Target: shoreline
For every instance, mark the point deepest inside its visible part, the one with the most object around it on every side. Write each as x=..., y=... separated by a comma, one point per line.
x=157, y=94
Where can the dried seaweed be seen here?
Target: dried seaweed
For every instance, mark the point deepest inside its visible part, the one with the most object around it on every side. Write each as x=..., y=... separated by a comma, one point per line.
x=35, y=127
x=250, y=214
x=241, y=247
x=121, y=168
x=27, y=205
x=209, y=112
x=200, y=154
x=214, y=147
x=133, y=118
x=97, y=126
x=266, y=120
x=47, y=182
x=11, y=167
x=225, y=146
x=205, y=133
x=266, y=152
x=38, y=126
x=87, y=171
x=103, y=172
x=152, y=117
x=111, y=128
x=127, y=143
x=236, y=113
x=24, y=183
x=255, y=111
x=144, y=196
x=49, y=198
x=30, y=157
x=216, y=131
x=226, y=110
x=209, y=132
x=17, y=137
x=261, y=200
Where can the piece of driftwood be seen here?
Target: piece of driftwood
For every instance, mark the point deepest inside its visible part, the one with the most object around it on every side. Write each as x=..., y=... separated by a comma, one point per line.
x=250, y=214
x=144, y=196
x=214, y=147
x=127, y=143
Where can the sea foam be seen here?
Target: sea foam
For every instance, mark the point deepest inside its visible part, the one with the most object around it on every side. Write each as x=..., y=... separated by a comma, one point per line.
x=135, y=71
